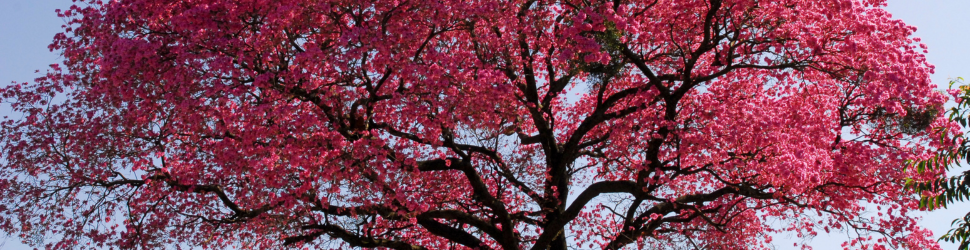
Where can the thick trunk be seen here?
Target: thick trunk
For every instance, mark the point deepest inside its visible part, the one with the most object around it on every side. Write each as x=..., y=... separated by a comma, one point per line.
x=559, y=243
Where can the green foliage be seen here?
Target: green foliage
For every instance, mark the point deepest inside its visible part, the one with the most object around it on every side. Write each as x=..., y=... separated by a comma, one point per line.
x=610, y=43
x=946, y=190
x=955, y=189
x=959, y=233
x=916, y=120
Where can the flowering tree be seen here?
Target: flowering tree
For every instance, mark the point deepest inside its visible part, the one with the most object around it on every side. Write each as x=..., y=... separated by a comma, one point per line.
x=480, y=124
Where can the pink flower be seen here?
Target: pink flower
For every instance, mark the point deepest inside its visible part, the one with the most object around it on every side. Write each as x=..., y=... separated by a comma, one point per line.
x=957, y=94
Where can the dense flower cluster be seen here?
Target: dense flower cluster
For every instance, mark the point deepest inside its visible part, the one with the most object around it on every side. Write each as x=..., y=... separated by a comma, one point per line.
x=488, y=124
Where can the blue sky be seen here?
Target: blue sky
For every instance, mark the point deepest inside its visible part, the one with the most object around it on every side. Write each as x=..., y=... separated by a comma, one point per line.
x=27, y=26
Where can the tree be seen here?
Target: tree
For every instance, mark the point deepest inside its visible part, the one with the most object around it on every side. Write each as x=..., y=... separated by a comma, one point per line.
x=479, y=124
x=944, y=190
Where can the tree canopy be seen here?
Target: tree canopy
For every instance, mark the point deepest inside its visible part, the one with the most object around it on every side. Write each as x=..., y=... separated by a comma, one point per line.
x=479, y=124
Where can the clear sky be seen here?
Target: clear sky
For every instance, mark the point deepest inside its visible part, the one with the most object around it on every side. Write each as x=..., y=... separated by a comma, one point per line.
x=27, y=27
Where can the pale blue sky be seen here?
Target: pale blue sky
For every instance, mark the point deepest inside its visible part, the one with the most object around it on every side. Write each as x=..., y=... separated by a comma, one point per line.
x=27, y=26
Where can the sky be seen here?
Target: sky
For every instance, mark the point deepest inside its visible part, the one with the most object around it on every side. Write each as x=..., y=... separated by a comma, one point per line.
x=27, y=27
